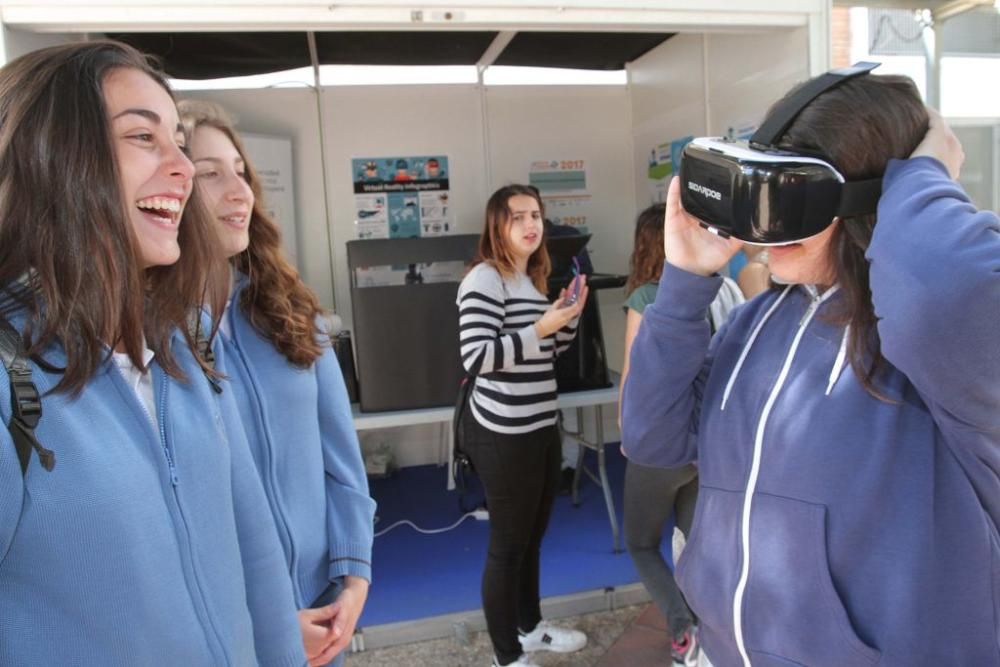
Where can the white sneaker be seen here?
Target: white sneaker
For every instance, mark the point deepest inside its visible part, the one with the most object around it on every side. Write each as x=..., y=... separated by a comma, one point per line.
x=523, y=661
x=548, y=637
x=677, y=544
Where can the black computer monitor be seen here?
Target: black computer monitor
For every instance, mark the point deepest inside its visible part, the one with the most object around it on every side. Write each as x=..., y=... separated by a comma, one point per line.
x=562, y=250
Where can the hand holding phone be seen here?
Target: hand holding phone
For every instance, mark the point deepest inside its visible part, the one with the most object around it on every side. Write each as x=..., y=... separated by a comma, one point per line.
x=573, y=291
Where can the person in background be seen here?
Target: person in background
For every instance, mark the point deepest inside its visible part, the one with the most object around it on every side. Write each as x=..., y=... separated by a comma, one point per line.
x=754, y=277
x=845, y=425
x=146, y=540
x=653, y=494
x=291, y=396
x=510, y=335
x=570, y=446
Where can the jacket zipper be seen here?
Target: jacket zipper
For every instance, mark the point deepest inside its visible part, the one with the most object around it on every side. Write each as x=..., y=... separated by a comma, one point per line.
x=163, y=436
x=755, y=471
x=161, y=431
x=180, y=511
x=270, y=488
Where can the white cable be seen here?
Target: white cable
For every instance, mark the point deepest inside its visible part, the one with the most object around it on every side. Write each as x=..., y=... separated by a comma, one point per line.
x=425, y=531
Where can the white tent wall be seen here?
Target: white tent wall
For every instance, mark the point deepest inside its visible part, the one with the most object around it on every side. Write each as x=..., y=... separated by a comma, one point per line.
x=747, y=73
x=392, y=121
x=14, y=43
x=667, y=87
x=702, y=84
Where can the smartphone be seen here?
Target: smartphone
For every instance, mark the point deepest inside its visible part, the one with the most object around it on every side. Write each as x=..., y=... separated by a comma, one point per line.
x=574, y=286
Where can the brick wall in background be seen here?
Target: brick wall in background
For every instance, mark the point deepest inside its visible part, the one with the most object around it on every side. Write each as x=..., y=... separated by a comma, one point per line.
x=840, y=36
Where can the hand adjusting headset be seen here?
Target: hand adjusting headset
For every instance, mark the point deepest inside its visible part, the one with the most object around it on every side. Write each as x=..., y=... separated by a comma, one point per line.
x=765, y=195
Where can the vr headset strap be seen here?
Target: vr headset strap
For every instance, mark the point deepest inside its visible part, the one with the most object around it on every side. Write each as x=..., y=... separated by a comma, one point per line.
x=859, y=197
x=783, y=116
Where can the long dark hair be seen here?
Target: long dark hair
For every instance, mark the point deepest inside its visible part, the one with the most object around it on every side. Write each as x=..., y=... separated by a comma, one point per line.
x=69, y=258
x=860, y=126
x=646, y=263
x=493, y=246
x=276, y=300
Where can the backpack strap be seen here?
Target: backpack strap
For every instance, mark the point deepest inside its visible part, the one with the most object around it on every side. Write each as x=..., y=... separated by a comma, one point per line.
x=25, y=401
x=204, y=348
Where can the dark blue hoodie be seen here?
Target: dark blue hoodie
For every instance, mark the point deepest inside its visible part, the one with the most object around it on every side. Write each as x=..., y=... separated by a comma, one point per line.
x=834, y=529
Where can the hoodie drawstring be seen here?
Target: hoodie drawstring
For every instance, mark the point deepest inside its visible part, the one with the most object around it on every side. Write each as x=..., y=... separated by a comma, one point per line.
x=746, y=348
x=838, y=365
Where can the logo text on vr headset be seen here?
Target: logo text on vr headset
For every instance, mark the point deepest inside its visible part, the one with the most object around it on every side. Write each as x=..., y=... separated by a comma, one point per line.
x=707, y=192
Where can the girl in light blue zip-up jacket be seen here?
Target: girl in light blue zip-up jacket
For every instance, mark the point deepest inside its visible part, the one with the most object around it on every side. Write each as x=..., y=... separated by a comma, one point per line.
x=148, y=541
x=291, y=397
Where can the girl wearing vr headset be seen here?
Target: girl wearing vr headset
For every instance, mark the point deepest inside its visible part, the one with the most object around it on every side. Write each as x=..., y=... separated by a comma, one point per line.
x=146, y=540
x=846, y=426
x=291, y=395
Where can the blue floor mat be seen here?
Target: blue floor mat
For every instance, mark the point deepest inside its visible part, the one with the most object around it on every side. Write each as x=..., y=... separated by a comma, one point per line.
x=416, y=576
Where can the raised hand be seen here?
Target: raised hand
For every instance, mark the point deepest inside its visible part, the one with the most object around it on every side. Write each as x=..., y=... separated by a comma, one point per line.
x=558, y=315
x=941, y=143
x=687, y=244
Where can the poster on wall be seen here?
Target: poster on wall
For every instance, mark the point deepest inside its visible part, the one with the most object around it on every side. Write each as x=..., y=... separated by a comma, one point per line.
x=272, y=160
x=563, y=186
x=401, y=197
x=664, y=161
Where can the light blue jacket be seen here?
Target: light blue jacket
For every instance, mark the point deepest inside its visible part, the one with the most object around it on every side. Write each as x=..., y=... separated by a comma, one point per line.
x=834, y=529
x=143, y=546
x=301, y=433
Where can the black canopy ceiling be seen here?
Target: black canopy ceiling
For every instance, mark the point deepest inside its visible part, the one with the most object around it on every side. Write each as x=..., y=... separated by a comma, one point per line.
x=187, y=55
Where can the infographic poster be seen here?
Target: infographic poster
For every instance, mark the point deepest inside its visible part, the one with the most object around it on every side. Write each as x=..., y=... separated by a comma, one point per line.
x=664, y=161
x=401, y=197
x=563, y=186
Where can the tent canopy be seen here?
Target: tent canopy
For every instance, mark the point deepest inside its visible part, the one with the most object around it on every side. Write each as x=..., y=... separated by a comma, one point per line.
x=194, y=55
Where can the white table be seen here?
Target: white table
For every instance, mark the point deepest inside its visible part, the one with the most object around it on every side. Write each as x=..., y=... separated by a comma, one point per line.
x=597, y=398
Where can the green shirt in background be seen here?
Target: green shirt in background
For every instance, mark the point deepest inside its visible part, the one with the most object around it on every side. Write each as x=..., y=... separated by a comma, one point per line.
x=641, y=296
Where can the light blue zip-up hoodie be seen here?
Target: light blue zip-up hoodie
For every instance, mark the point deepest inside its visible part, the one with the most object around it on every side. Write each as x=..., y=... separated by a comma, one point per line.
x=834, y=529
x=144, y=545
x=301, y=433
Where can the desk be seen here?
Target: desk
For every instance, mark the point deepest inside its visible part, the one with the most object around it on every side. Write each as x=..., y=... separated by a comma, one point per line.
x=598, y=398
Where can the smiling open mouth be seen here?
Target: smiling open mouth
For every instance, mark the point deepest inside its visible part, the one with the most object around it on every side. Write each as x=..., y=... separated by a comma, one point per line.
x=238, y=220
x=164, y=210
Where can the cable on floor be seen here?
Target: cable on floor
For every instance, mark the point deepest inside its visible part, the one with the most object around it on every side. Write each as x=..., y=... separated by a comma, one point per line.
x=478, y=514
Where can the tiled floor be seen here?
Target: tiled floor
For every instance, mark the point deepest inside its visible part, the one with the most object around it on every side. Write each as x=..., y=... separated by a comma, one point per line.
x=627, y=637
x=643, y=643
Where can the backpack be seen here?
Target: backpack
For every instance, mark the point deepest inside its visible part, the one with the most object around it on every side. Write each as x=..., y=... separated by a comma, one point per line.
x=462, y=467
x=25, y=402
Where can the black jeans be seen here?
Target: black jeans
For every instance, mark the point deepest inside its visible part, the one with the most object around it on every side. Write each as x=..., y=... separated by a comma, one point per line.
x=651, y=496
x=520, y=474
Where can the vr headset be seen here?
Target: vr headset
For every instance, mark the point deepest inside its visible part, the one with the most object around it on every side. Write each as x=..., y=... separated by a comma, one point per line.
x=763, y=195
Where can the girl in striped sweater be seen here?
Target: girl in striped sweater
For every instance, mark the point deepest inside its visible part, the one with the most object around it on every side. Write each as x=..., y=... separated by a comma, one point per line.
x=510, y=335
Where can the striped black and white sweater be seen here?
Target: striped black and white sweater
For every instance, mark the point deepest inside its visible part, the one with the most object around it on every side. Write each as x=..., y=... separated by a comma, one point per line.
x=515, y=391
